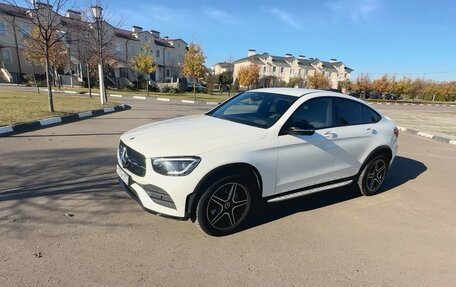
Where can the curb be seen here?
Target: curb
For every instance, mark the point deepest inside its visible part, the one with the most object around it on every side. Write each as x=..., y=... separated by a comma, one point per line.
x=413, y=104
x=163, y=99
x=428, y=135
x=54, y=121
x=136, y=97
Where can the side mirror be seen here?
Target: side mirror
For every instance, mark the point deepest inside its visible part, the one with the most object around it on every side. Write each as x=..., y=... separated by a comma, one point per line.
x=308, y=131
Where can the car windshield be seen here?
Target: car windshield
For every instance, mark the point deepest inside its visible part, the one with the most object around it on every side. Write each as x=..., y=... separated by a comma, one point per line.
x=254, y=108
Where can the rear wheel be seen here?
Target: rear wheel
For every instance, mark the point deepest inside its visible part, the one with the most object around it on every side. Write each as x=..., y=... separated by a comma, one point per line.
x=224, y=206
x=373, y=175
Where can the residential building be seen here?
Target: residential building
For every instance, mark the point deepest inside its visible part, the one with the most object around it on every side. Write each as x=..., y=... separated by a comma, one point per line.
x=119, y=45
x=278, y=70
x=223, y=67
x=15, y=26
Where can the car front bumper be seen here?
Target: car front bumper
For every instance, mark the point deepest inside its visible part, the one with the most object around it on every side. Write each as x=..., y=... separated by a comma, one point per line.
x=135, y=196
x=155, y=199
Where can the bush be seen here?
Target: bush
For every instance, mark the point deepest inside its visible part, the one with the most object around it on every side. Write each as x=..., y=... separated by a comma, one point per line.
x=153, y=88
x=165, y=89
x=28, y=79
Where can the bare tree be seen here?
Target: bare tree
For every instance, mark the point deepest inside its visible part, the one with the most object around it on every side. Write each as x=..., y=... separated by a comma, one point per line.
x=100, y=40
x=45, y=19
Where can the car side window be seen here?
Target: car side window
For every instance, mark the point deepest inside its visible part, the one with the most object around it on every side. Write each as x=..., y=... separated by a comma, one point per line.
x=347, y=112
x=369, y=115
x=315, y=113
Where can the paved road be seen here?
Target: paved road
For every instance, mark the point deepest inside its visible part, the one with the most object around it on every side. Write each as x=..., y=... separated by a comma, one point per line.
x=402, y=237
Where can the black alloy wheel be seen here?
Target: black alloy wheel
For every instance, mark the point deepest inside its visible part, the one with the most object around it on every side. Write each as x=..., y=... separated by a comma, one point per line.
x=224, y=206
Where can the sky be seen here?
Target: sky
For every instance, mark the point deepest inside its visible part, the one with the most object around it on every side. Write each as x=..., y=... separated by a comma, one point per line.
x=414, y=38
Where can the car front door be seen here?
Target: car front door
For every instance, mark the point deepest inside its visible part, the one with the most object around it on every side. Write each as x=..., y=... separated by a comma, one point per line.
x=306, y=160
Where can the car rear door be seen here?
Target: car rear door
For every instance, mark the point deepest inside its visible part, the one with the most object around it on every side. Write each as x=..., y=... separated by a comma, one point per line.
x=355, y=134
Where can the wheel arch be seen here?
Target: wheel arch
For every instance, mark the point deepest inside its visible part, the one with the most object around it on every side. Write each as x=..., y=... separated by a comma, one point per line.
x=381, y=150
x=253, y=175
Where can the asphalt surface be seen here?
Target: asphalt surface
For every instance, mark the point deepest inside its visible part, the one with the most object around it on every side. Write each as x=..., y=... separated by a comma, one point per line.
x=64, y=221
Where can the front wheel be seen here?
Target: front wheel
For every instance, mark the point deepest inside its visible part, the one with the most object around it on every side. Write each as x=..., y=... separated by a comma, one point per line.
x=373, y=175
x=224, y=206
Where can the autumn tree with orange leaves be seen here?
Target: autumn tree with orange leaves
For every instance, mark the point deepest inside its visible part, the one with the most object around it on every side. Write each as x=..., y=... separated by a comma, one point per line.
x=248, y=75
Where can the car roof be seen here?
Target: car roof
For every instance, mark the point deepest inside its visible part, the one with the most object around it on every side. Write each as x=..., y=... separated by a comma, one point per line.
x=299, y=92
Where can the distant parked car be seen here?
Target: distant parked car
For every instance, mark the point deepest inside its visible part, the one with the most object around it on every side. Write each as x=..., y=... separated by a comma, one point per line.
x=355, y=94
x=198, y=87
x=373, y=95
x=390, y=96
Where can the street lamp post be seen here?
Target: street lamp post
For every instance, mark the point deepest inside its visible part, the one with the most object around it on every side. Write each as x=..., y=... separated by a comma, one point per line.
x=97, y=14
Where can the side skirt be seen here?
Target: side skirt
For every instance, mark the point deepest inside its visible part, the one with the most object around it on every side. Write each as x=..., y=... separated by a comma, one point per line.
x=311, y=190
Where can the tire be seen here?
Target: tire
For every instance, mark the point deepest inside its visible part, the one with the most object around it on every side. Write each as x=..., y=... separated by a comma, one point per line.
x=224, y=206
x=373, y=175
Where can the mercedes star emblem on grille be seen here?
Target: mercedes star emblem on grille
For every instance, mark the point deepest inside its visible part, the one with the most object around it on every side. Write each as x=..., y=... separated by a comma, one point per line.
x=124, y=156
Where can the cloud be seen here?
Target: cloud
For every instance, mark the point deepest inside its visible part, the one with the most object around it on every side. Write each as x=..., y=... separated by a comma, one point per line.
x=285, y=17
x=160, y=14
x=357, y=10
x=163, y=14
x=220, y=15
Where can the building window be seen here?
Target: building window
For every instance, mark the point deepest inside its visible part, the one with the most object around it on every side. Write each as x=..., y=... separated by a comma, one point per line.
x=6, y=55
x=168, y=56
x=281, y=69
x=274, y=69
x=157, y=54
x=132, y=48
x=3, y=28
x=123, y=73
x=168, y=73
x=118, y=47
x=291, y=72
x=26, y=29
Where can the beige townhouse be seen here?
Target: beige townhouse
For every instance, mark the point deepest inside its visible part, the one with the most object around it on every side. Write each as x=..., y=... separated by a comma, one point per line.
x=15, y=26
x=79, y=36
x=223, y=67
x=168, y=53
x=278, y=70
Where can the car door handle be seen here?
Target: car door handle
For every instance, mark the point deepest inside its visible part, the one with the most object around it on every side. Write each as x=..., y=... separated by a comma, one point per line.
x=330, y=135
x=371, y=131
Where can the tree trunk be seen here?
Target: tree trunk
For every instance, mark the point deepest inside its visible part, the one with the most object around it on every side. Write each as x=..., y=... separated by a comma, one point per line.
x=88, y=82
x=194, y=92
x=48, y=81
x=34, y=79
x=57, y=78
x=147, y=87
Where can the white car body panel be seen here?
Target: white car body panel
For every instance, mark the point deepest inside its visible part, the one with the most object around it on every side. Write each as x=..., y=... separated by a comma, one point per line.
x=284, y=162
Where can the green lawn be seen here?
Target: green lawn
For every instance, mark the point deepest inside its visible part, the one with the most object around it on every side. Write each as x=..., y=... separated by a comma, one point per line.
x=17, y=107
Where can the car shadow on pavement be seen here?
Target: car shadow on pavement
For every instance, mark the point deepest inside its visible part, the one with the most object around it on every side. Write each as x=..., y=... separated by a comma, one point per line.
x=402, y=170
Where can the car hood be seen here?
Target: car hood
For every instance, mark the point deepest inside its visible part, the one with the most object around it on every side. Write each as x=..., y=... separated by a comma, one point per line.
x=191, y=135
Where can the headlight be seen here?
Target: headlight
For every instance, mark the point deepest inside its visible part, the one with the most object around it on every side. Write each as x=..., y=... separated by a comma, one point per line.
x=175, y=166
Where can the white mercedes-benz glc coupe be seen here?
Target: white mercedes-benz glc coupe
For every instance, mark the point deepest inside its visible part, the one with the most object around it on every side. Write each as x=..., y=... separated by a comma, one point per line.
x=261, y=145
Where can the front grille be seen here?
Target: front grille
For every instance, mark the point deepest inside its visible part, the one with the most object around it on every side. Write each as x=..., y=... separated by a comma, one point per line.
x=134, y=161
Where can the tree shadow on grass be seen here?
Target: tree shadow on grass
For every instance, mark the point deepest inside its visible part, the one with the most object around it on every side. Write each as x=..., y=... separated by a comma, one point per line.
x=402, y=170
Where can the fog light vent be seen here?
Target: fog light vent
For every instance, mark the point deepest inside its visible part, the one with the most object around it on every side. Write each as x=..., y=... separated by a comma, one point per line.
x=159, y=196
